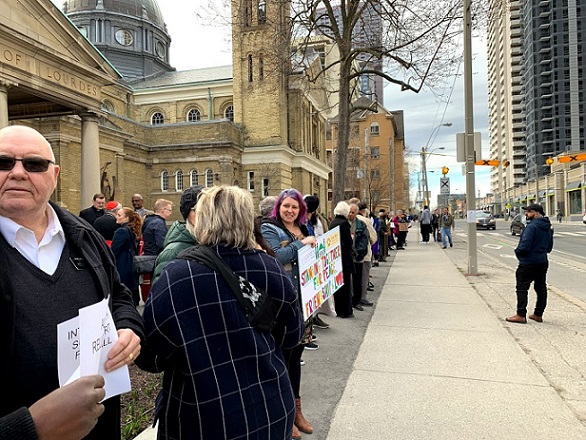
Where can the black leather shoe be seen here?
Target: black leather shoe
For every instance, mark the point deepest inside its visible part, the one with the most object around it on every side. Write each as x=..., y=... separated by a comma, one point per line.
x=358, y=307
x=365, y=302
x=370, y=289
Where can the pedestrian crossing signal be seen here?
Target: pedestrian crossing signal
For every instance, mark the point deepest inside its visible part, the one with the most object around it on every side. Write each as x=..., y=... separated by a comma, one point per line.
x=445, y=170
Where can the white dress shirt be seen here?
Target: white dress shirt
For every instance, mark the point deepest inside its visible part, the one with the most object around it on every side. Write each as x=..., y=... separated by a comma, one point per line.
x=46, y=254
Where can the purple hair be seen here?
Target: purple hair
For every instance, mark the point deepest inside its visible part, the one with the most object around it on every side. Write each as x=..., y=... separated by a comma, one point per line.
x=296, y=195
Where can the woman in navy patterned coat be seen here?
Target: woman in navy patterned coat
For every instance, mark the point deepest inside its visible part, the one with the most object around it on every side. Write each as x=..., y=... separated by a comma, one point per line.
x=223, y=378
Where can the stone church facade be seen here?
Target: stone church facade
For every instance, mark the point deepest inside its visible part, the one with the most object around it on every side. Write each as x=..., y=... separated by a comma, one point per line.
x=95, y=79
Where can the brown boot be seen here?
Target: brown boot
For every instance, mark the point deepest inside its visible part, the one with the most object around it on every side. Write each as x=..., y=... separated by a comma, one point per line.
x=300, y=421
x=295, y=435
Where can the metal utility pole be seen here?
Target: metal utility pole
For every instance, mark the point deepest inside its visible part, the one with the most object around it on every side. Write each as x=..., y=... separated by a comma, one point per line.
x=469, y=140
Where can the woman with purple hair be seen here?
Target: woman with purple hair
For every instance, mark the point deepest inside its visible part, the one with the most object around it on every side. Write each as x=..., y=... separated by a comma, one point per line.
x=286, y=232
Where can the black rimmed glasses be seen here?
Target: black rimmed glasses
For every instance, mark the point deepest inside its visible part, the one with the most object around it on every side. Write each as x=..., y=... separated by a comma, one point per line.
x=30, y=164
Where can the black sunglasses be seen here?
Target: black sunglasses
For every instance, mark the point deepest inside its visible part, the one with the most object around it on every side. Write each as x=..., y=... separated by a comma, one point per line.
x=30, y=164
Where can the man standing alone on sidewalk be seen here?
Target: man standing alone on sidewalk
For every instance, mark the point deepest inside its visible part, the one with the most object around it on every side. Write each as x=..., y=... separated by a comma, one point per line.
x=535, y=243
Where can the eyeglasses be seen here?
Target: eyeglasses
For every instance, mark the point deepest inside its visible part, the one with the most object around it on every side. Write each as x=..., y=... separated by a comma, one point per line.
x=30, y=164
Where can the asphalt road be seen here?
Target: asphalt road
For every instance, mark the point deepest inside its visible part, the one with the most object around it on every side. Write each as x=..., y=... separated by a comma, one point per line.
x=567, y=262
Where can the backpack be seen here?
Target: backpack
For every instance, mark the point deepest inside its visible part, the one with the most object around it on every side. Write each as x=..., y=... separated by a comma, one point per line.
x=360, y=243
x=258, y=306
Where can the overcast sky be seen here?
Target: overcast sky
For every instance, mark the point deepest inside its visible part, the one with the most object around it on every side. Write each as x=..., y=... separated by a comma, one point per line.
x=195, y=46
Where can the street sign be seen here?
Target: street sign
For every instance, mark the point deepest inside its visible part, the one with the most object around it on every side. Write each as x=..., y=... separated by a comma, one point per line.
x=445, y=185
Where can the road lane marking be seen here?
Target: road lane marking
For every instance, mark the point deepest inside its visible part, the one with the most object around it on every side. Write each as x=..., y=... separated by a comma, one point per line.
x=507, y=256
x=492, y=246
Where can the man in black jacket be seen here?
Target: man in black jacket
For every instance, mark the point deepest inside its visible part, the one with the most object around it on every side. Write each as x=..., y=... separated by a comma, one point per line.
x=535, y=243
x=95, y=211
x=106, y=225
x=51, y=265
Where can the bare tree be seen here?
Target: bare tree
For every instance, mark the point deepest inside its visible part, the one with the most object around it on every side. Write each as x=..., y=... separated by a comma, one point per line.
x=419, y=44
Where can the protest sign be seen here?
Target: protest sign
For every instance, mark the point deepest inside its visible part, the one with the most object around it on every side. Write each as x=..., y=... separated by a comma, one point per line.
x=320, y=271
x=83, y=345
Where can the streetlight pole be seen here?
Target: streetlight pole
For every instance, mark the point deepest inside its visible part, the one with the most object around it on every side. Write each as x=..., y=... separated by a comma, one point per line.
x=424, y=154
x=469, y=139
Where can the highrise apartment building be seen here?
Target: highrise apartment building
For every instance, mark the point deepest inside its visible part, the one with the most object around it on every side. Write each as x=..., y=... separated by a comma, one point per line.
x=536, y=75
x=368, y=32
x=506, y=95
x=555, y=60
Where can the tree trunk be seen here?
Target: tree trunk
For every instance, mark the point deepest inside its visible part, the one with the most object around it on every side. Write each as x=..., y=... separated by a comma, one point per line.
x=341, y=154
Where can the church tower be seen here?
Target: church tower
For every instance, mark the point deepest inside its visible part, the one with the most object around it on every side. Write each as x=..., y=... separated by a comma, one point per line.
x=261, y=66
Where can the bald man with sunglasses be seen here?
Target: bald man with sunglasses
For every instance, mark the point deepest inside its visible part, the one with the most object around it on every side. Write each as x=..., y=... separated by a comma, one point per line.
x=51, y=265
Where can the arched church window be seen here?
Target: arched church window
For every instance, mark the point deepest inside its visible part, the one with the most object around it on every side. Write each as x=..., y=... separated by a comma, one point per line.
x=164, y=181
x=179, y=180
x=194, y=115
x=193, y=177
x=250, y=68
x=262, y=11
x=229, y=113
x=157, y=118
x=209, y=178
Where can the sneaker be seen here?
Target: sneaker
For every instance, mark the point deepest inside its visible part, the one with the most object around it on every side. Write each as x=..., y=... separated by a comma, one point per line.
x=319, y=323
x=313, y=338
x=301, y=362
x=311, y=346
x=451, y=245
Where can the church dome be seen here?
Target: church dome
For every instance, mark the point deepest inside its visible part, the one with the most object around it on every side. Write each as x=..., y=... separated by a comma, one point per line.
x=146, y=9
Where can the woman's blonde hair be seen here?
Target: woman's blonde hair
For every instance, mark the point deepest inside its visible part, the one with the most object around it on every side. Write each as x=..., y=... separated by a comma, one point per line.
x=225, y=215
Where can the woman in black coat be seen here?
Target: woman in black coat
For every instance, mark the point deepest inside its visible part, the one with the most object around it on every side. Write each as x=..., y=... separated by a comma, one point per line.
x=124, y=247
x=343, y=296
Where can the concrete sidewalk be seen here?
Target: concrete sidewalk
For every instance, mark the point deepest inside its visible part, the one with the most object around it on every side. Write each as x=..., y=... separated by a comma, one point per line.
x=437, y=363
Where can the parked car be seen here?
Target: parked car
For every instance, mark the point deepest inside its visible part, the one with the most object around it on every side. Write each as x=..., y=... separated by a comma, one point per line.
x=485, y=220
x=518, y=224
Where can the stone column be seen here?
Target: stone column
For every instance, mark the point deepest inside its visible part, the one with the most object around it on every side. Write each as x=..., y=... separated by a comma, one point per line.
x=90, y=158
x=3, y=105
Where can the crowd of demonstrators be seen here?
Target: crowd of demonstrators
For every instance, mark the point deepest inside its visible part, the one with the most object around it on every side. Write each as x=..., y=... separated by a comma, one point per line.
x=154, y=227
x=106, y=225
x=286, y=232
x=95, y=211
x=447, y=224
x=223, y=377
x=343, y=296
x=125, y=246
x=180, y=235
x=50, y=252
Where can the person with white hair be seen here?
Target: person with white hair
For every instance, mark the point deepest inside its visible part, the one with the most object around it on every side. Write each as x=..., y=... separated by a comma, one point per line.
x=343, y=296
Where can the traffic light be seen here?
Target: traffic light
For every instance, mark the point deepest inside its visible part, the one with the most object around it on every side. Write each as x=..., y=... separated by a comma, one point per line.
x=506, y=163
x=445, y=170
x=549, y=161
x=572, y=158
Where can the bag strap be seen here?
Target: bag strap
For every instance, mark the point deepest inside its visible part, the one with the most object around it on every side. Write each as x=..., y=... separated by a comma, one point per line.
x=204, y=255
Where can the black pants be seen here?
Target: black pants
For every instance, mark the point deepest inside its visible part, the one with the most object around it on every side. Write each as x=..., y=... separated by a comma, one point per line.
x=402, y=238
x=425, y=231
x=526, y=274
x=357, y=283
x=343, y=297
x=292, y=357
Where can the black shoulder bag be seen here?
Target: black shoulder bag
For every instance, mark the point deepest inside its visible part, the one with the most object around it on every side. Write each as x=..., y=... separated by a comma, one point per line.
x=258, y=306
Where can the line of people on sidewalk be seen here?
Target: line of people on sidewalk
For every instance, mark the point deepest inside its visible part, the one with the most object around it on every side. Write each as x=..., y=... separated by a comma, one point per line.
x=438, y=225
x=229, y=342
